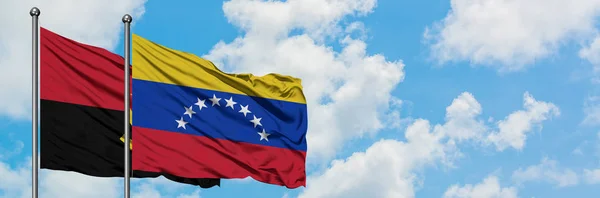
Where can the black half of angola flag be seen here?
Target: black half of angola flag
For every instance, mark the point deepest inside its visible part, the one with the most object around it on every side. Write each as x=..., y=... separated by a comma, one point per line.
x=81, y=111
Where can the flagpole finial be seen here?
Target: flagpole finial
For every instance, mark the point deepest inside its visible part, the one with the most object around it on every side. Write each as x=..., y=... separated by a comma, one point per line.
x=127, y=18
x=34, y=11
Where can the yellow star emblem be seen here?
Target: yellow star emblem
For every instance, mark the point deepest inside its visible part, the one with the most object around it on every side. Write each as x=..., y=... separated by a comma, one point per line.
x=130, y=142
x=123, y=138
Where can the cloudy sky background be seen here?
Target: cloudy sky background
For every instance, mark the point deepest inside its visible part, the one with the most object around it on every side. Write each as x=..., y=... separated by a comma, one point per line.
x=431, y=98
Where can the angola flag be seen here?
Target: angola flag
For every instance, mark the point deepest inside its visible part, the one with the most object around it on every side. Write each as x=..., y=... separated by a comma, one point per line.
x=81, y=111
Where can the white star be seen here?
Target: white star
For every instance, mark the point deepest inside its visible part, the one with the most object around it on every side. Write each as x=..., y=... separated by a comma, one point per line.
x=230, y=102
x=200, y=103
x=256, y=121
x=215, y=100
x=263, y=135
x=244, y=110
x=189, y=111
x=181, y=123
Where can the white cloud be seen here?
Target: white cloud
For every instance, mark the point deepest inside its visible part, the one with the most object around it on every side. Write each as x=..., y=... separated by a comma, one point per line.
x=388, y=168
x=589, y=147
x=460, y=122
x=243, y=180
x=591, y=176
x=93, y=22
x=71, y=184
x=547, y=171
x=514, y=128
x=592, y=54
x=348, y=91
x=488, y=188
x=512, y=33
x=384, y=170
x=194, y=194
x=591, y=110
x=16, y=183
x=146, y=191
x=318, y=18
x=163, y=188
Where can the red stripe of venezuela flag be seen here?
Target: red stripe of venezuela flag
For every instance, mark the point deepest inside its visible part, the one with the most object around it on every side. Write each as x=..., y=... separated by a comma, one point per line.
x=81, y=110
x=193, y=120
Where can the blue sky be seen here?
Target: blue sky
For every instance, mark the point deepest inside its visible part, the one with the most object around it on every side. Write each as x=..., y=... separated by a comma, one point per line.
x=444, y=98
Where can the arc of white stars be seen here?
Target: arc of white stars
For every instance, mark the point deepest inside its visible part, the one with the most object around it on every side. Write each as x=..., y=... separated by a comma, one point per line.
x=189, y=111
x=215, y=100
x=181, y=123
x=263, y=135
x=230, y=102
x=244, y=110
x=256, y=121
x=200, y=104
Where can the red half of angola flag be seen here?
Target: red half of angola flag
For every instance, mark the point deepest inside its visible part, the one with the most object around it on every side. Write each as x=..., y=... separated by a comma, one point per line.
x=193, y=120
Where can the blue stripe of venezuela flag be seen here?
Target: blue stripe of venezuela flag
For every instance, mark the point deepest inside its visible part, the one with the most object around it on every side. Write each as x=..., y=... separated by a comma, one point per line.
x=192, y=120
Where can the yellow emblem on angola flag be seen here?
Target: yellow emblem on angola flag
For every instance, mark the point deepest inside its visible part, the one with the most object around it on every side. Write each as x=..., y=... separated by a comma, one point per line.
x=122, y=137
x=130, y=142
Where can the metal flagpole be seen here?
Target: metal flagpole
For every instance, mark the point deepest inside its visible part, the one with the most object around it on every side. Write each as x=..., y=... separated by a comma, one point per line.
x=35, y=13
x=127, y=22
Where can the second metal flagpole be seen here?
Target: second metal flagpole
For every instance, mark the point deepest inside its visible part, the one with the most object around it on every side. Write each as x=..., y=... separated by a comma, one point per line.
x=127, y=22
x=35, y=13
